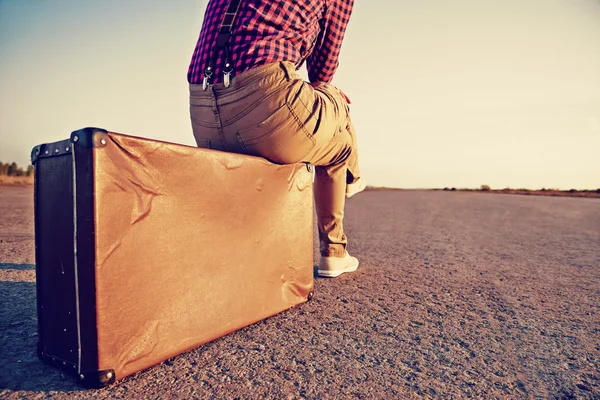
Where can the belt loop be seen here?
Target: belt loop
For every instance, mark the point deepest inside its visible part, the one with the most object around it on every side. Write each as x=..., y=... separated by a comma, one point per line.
x=286, y=68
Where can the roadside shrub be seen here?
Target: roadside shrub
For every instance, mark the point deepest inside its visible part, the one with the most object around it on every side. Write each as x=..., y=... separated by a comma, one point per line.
x=12, y=169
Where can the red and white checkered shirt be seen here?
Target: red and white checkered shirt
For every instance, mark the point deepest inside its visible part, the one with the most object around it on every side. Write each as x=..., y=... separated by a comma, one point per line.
x=276, y=30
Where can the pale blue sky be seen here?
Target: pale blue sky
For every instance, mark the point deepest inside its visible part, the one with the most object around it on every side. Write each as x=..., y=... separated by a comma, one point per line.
x=445, y=92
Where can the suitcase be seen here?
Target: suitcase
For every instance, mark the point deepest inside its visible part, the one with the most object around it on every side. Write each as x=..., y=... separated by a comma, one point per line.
x=147, y=249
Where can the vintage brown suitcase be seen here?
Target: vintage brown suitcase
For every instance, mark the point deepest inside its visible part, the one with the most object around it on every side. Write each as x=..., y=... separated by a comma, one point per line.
x=146, y=249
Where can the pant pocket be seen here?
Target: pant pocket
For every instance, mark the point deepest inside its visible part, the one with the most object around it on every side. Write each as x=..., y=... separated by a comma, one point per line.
x=283, y=137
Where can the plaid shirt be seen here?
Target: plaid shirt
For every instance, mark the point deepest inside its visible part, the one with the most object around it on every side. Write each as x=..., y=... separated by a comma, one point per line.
x=276, y=30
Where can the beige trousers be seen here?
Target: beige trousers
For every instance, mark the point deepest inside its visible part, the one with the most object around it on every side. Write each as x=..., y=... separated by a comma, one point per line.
x=269, y=111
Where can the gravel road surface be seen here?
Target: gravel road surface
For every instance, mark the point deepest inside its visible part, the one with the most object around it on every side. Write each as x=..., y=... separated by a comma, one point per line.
x=458, y=295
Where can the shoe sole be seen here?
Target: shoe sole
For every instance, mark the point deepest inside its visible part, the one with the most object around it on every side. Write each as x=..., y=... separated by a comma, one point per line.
x=360, y=189
x=332, y=274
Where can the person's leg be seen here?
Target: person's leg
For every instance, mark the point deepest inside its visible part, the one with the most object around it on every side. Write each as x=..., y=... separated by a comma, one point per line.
x=330, y=195
x=335, y=157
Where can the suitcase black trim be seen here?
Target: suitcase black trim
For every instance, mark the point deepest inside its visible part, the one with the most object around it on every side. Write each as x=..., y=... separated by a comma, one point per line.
x=51, y=150
x=96, y=379
x=85, y=249
x=90, y=137
x=89, y=379
x=55, y=361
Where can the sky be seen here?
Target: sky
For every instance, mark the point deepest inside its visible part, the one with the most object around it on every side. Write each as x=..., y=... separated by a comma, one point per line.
x=445, y=93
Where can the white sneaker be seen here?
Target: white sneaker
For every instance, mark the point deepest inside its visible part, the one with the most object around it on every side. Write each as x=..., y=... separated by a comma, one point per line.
x=356, y=187
x=330, y=267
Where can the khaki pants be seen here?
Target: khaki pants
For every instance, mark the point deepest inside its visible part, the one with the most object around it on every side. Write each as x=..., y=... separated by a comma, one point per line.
x=269, y=111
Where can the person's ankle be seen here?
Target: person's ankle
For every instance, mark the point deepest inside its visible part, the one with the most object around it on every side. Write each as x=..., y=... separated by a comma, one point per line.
x=334, y=253
x=351, y=179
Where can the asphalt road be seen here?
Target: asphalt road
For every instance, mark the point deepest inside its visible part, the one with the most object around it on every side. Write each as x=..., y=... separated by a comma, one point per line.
x=462, y=295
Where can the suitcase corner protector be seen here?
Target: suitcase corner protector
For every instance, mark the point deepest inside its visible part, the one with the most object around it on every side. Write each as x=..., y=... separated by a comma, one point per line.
x=96, y=379
x=90, y=137
x=35, y=152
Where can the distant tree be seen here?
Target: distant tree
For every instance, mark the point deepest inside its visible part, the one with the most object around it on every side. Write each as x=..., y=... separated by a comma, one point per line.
x=485, y=188
x=572, y=190
x=453, y=189
x=12, y=169
x=446, y=188
x=29, y=171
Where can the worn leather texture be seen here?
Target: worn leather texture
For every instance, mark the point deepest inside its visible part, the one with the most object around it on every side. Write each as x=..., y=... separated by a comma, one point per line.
x=146, y=249
x=192, y=244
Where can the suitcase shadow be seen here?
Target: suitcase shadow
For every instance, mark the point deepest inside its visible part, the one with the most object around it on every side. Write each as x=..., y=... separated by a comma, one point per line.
x=21, y=368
